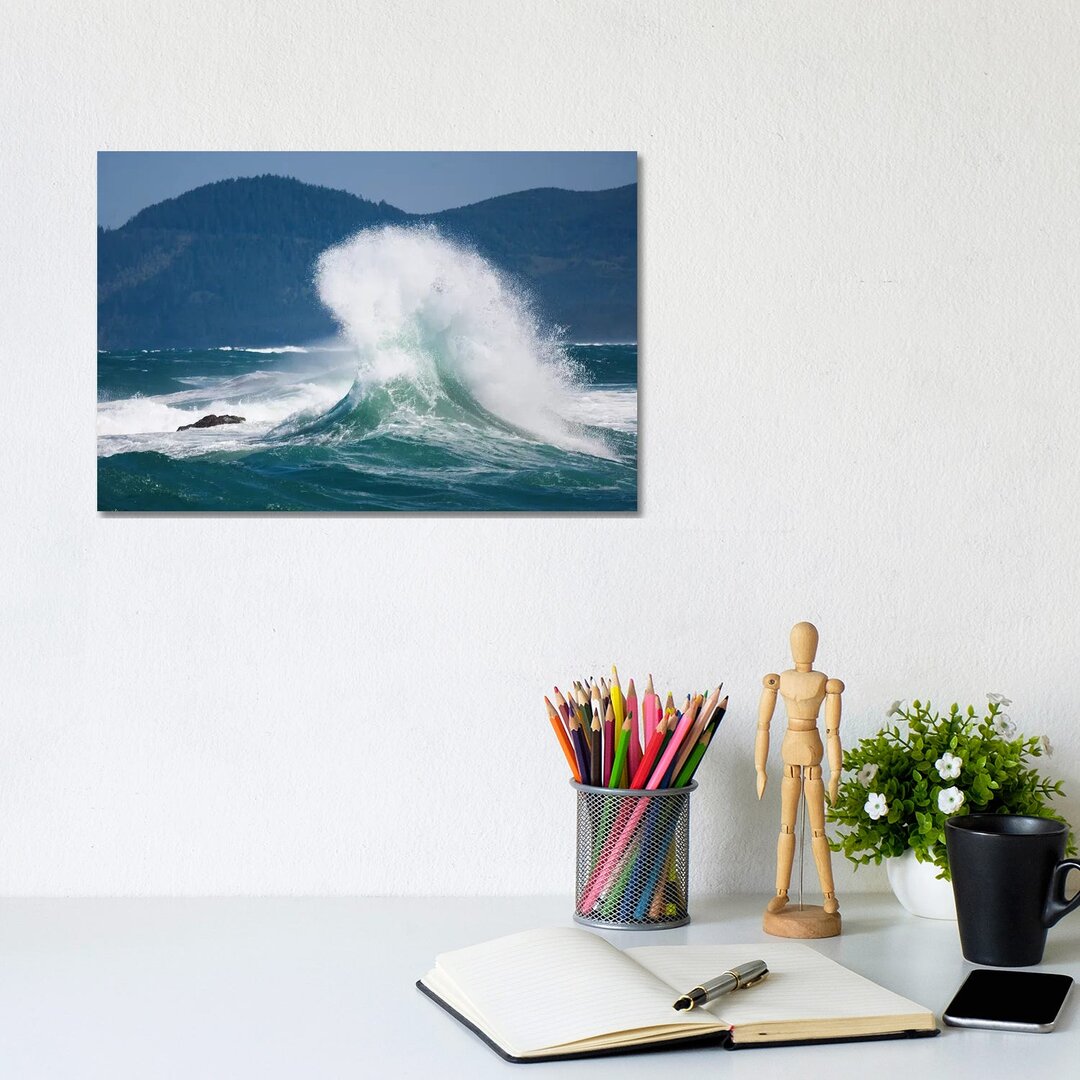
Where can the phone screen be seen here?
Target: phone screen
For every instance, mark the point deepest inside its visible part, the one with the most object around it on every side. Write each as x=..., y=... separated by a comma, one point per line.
x=1013, y=1000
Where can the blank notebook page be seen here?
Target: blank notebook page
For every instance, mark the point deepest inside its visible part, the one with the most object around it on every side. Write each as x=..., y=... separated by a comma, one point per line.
x=802, y=984
x=551, y=987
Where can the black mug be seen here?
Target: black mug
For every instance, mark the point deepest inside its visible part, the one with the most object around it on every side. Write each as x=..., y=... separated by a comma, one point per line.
x=1008, y=876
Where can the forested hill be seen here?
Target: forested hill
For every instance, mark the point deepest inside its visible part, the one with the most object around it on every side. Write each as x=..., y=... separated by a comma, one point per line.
x=232, y=262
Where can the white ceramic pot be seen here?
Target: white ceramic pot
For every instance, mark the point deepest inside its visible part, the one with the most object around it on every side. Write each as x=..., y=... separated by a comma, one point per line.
x=917, y=886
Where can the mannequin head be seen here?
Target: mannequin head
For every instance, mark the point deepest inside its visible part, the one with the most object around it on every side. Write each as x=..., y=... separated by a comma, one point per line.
x=804, y=642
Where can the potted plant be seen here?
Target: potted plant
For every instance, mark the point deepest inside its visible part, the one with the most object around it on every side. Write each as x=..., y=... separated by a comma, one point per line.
x=900, y=786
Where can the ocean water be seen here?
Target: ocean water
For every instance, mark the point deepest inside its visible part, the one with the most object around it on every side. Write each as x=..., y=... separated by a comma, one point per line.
x=443, y=392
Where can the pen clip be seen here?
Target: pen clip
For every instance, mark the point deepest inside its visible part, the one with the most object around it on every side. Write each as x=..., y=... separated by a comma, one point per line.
x=754, y=981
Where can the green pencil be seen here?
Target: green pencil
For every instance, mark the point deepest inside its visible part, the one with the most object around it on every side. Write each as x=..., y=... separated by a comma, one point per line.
x=622, y=748
x=686, y=774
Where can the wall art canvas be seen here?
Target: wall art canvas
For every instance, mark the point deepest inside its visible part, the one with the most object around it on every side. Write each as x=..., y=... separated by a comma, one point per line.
x=367, y=331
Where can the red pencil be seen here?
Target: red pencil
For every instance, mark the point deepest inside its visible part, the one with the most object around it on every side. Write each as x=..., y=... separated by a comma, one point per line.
x=648, y=759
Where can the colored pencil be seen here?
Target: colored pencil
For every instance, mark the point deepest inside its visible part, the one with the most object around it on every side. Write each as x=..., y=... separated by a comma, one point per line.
x=648, y=759
x=581, y=749
x=596, y=757
x=694, y=760
x=585, y=729
x=652, y=897
x=609, y=743
x=633, y=758
x=703, y=717
x=564, y=709
x=586, y=715
x=663, y=824
x=686, y=773
x=617, y=704
x=622, y=748
x=601, y=878
x=674, y=744
x=564, y=739
x=671, y=715
x=650, y=713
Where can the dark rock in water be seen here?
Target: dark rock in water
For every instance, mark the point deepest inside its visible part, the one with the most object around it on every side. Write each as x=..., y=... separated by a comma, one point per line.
x=213, y=421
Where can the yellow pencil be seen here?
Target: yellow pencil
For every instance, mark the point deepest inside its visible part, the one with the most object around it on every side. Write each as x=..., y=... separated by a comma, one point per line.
x=618, y=706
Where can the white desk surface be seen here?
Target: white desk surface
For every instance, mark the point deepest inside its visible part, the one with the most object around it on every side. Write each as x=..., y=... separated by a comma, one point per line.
x=313, y=988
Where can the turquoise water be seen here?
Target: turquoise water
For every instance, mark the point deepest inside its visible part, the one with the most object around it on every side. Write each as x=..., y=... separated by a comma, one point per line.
x=430, y=423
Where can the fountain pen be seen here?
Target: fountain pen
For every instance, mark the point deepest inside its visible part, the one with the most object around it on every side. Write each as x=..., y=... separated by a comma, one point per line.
x=738, y=978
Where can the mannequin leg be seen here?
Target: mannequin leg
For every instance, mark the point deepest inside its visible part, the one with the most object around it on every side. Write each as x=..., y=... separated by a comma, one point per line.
x=790, y=790
x=815, y=808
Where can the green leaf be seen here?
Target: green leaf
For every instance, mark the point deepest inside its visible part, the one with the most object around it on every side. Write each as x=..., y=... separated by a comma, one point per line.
x=994, y=778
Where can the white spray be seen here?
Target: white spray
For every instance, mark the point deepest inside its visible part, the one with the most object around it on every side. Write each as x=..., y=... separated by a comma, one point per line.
x=420, y=308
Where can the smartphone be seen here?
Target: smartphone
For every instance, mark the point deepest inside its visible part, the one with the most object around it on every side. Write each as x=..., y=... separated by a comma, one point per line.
x=1009, y=1000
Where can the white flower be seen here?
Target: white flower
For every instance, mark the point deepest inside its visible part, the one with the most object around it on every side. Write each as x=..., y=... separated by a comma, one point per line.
x=866, y=774
x=1003, y=725
x=1048, y=749
x=876, y=806
x=895, y=709
x=950, y=800
x=948, y=766
x=998, y=699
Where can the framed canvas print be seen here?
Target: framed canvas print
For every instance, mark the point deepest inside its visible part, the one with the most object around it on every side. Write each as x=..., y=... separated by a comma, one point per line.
x=367, y=331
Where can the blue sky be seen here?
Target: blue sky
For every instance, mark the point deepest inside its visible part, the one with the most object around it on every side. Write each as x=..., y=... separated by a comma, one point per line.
x=417, y=181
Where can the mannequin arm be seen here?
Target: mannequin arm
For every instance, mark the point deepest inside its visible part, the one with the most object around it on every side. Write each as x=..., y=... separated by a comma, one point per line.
x=833, y=689
x=765, y=713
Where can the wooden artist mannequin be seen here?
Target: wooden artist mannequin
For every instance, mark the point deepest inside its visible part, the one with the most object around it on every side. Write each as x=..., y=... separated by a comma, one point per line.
x=803, y=691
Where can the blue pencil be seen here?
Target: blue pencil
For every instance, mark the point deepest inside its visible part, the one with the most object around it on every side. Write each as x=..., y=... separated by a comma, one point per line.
x=667, y=835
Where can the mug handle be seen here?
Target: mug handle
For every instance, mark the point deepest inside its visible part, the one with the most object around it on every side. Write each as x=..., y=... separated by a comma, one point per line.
x=1056, y=905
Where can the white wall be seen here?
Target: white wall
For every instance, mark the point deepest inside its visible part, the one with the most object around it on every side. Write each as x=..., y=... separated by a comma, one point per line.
x=859, y=282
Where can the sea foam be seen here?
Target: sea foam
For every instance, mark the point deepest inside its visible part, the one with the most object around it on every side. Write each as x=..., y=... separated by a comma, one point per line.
x=262, y=398
x=436, y=317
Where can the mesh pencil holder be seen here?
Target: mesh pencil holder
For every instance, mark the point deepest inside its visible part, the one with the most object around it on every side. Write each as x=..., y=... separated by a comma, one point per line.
x=633, y=860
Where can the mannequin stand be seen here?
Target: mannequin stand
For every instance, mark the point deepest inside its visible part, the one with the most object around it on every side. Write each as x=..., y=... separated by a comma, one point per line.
x=809, y=921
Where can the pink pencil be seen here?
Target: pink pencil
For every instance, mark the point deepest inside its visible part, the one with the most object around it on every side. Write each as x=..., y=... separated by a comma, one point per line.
x=703, y=718
x=602, y=873
x=634, y=760
x=685, y=724
x=652, y=714
x=650, y=711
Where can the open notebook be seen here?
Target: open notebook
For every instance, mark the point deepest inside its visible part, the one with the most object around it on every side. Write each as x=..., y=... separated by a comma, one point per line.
x=567, y=992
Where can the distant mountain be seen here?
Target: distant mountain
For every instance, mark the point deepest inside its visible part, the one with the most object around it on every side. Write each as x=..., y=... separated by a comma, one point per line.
x=232, y=262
